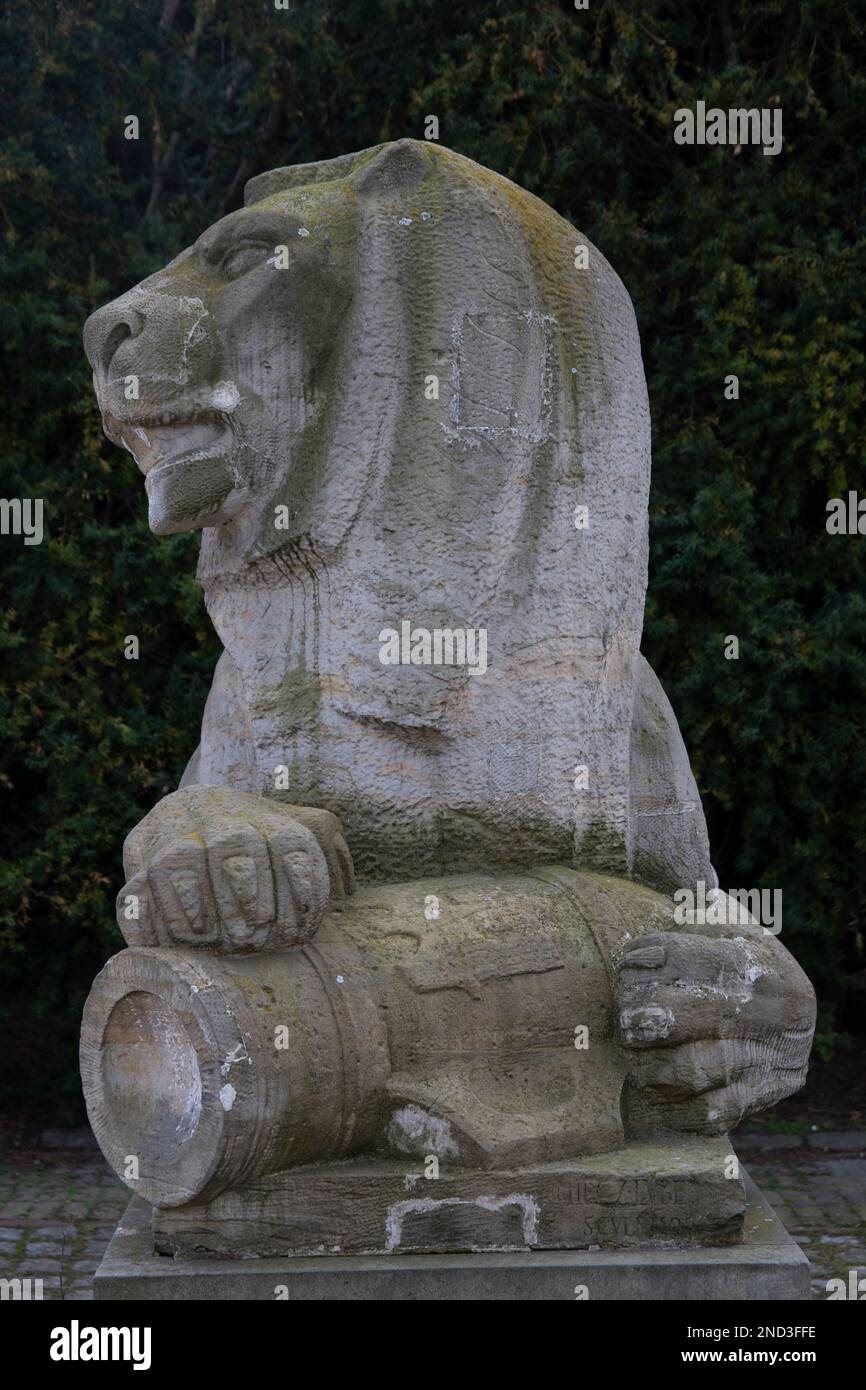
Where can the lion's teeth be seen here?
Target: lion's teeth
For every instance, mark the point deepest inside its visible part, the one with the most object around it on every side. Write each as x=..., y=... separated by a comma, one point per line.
x=169, y=440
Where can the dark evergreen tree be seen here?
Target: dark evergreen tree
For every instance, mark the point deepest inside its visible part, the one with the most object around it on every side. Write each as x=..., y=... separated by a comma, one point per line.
x=738, y=264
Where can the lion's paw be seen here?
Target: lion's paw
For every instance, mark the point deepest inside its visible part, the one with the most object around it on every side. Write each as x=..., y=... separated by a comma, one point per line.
x=231, y=873
x=716, y=1027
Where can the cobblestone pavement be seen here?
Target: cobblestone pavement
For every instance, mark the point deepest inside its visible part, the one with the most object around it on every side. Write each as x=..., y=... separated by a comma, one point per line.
x=821, y=1198
x=59, y=1210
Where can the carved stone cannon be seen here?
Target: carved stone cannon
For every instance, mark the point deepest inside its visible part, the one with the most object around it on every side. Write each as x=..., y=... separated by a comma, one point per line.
x=503, y=1034
x=385, y=1031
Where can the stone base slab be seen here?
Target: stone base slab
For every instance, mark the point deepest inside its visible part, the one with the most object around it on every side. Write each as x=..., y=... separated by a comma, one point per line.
x=668, y=1193
x=768, y=1265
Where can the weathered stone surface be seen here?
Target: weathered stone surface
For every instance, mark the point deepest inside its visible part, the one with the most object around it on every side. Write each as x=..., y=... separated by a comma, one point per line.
x=768, y=1265
x=638, y=1195
x=394, y=404
x=303, y=387
x=224, y=871
x=460, y=1037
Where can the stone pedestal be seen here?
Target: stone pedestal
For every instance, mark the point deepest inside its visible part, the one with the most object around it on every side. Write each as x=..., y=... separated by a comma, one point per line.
x=672, y=1192
x=767, y=1265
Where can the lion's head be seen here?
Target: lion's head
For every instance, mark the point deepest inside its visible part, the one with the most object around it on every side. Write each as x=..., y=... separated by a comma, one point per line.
x=289, y=356
x=210, y=371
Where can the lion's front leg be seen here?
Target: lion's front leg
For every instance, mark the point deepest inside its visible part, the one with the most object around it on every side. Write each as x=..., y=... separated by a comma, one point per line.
x=231, y=872
x=717, y=1027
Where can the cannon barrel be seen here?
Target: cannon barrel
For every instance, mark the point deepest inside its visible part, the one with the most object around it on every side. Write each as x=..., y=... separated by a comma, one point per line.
x=200, y=1071
x=444, y=1016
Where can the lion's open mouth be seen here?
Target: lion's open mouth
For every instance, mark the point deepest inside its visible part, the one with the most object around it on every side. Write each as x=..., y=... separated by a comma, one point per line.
x=157, y=441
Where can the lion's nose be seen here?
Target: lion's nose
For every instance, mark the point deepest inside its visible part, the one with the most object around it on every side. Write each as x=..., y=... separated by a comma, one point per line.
x=105, y=330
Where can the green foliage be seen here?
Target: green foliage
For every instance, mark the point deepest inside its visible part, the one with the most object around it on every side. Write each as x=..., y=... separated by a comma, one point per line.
x=737, y=263
x=827, y=1041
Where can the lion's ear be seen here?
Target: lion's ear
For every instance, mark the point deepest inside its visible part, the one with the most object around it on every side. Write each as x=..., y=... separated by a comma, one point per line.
x=396, y=168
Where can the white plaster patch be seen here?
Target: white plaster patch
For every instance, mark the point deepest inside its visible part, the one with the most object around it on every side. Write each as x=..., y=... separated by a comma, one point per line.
x=397, y=1213
x=227, y=1096
x=415, y=1131
x=648, y=1023
x=225, y=396
x=239, y=1054
x=754, y=969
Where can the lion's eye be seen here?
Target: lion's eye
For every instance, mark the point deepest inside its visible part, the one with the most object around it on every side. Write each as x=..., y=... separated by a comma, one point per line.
x=239, y=259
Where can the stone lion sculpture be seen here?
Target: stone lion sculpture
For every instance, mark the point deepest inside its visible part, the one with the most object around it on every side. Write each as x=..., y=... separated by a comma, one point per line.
x=398, y=394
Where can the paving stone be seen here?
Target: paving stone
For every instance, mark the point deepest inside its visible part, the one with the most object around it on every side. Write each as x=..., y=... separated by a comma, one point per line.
x=766, y=1143
x=43, y=1247
x=49, y=1283
x=42, y=1265
x=848, y=1141
x=80, y=1139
